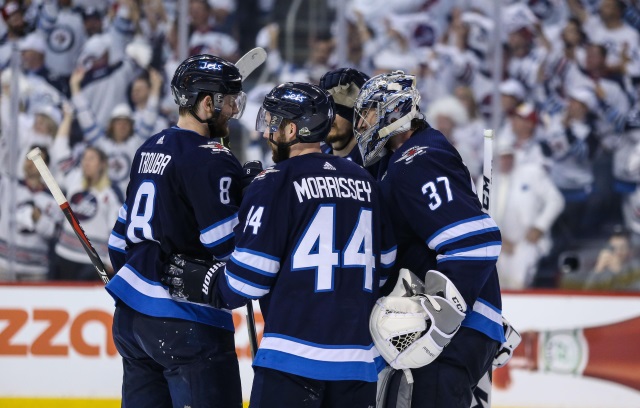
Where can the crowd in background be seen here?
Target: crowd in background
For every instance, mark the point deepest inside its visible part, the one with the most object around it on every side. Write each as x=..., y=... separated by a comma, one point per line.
x=93, y=84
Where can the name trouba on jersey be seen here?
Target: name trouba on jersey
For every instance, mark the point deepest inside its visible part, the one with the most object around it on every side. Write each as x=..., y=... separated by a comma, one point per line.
x=153, y=162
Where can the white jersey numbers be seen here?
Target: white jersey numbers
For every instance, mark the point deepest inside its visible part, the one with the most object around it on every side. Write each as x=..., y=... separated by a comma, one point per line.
x=316, y=248
x=254, y=219
x=225, y=184
x=142, y=212
x=431, y=190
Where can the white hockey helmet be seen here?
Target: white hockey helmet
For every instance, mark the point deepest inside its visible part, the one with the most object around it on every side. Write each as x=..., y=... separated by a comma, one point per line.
x=385, y=107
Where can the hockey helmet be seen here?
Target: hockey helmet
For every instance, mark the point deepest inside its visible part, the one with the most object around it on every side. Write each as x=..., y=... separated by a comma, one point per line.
x=210, y=74
x=384, y=108
x=310, y=107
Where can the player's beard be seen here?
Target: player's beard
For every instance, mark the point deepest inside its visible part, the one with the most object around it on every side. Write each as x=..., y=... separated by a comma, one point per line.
x=340, y=135
x=219, y=128
x=279, y=150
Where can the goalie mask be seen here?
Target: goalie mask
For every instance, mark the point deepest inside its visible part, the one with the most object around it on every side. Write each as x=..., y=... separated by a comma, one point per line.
x=384, y=108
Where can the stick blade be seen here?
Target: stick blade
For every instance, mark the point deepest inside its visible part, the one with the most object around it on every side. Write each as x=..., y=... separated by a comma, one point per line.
x=250, y=61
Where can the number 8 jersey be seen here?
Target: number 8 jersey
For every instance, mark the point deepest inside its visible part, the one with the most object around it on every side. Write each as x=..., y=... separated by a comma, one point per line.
x=314, y=246
x=182, y=197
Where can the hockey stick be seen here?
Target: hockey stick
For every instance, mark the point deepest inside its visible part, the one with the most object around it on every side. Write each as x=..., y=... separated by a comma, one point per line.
x=482, y=393
x=35, y=156
x=486, y=169
x=248, y=63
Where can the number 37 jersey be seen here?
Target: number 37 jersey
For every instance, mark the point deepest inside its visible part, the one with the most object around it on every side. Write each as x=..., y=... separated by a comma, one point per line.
x=314, y=245
x=182, y=197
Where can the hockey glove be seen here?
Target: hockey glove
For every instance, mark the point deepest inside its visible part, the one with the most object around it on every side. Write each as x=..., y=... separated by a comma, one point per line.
x=411, y=332
x=512, y=340
x=192, y=279
x=249, y=171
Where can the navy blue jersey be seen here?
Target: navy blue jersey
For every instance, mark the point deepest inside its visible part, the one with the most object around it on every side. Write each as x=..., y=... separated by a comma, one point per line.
x=439, y=224
x=314, y=246
x=183, y=197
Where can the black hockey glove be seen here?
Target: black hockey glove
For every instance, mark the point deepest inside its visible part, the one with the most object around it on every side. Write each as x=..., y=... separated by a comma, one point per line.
x=249, y=171
x=192, y=279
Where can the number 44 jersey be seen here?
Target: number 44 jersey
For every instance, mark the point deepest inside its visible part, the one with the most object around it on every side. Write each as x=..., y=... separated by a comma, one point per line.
x=182, y=198
x=314, y=246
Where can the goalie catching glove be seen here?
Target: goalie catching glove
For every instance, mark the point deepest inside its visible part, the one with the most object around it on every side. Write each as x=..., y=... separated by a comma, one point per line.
x=192, y=279
x=412, y=325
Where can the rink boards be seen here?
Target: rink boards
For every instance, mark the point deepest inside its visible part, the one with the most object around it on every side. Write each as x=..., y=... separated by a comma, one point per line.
x=56, y=349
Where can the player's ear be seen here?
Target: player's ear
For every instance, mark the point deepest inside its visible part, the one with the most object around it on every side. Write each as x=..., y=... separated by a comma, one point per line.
x=291, y=130
x=207, y=104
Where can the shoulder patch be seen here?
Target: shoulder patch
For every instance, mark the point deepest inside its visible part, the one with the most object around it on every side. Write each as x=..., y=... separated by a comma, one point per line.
x=264, y=173
x=215, y=148
x=409, y=155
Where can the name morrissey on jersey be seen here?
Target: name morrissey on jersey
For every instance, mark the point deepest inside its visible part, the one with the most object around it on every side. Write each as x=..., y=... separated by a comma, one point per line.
x=327, y=186
x=153, y=163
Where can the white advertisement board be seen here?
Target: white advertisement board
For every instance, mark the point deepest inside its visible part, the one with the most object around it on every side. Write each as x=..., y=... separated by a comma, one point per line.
x=55, y=343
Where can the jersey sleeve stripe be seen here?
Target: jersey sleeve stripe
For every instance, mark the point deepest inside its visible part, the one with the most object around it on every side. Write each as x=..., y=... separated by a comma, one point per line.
x=244, y=287
x=117, y=243
x=261, y=262
x=479, y=252
x=122, y=214
x=252, y=268
x=461, y=229
x=388, y=258
x=219, y=232
x=486, y=319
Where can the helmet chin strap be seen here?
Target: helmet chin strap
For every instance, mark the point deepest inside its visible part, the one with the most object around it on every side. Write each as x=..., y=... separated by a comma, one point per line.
x=217, y=108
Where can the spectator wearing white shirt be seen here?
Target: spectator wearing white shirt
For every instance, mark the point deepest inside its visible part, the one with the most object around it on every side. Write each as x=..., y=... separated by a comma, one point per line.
x=36, y=218
x=94, y=202
x=525, y=206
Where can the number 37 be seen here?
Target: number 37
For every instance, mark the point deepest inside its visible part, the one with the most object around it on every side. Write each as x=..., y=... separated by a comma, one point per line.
x=430, y=188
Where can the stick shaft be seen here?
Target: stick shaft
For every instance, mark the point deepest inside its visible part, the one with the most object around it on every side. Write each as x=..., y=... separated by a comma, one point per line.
x=251, y=328
x=487, y=168
x=47, y=177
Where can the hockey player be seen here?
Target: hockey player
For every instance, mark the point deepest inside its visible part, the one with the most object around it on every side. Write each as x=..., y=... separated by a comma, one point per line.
x=182, y=197
x=344, y=85
x=314, y=246
x=443, y=236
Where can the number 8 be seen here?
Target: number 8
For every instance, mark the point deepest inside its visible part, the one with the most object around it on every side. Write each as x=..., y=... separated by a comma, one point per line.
x=225, y=184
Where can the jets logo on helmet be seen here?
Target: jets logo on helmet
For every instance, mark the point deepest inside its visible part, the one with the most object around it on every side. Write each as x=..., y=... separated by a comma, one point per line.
x=183, y=100
x=294, y=96
x=411, y=153
x=211, y=66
